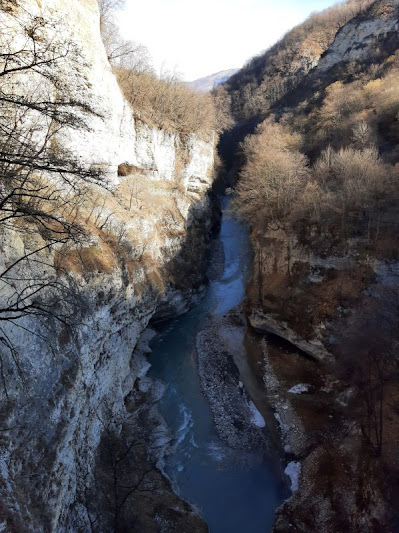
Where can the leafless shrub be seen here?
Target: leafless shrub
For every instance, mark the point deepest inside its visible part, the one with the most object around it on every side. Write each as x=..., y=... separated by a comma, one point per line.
x=270, y=76
x=222, y=102
x=368, y=361
x=272, y=177
x=167, y=103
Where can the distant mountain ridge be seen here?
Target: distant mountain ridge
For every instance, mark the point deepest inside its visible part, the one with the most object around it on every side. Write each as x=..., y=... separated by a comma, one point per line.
x=206, y=84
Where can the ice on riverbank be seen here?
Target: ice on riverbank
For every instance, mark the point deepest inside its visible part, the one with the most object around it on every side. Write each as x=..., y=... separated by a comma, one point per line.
x=299, y=389
x=293, y=471
x=256, y=418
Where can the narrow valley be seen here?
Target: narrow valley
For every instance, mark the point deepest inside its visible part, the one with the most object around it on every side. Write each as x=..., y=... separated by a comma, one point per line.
x=199, y=281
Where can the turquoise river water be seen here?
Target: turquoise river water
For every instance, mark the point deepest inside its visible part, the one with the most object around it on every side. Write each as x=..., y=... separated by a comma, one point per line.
x=235, y=492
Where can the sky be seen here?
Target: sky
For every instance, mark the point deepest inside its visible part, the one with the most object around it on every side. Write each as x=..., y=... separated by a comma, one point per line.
x=199, y=38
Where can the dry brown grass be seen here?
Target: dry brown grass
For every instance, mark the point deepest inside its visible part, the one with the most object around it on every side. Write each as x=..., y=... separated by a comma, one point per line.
x=129, y=227
x=83, y=261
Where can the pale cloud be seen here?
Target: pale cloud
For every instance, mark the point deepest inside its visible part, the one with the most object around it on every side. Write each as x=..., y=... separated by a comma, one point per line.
x=200, y=38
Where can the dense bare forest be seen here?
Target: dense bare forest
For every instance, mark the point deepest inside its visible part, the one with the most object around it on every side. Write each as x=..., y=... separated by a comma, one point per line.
x=319, y=185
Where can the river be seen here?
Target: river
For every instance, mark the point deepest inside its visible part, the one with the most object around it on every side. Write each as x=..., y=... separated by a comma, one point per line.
x=235, y=492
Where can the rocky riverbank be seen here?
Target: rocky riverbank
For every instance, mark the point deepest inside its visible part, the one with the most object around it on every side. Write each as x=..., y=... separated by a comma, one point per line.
x=297, y=343
x=237, y=420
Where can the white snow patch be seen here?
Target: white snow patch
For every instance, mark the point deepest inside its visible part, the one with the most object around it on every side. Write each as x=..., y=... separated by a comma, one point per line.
x=256, y=418
x=293, y=471
x=283, y=426
x=143, y=370
x=299, y=389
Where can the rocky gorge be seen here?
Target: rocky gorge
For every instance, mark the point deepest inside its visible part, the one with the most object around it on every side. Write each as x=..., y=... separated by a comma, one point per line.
x=148, y=357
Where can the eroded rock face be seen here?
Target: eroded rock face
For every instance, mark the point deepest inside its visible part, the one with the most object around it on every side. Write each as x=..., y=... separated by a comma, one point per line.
x=303, y=291
x=266, y=323
x=357, y=39
x=112, y=136
x=66, y=385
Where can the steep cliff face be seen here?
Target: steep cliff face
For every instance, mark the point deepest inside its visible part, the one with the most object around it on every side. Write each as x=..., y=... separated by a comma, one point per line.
x=369, y=38
x=110, y=136
x=71, y=385
x=358, y=39
x=322, y=307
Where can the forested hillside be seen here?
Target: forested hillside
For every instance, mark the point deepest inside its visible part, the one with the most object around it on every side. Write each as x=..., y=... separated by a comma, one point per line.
x=319, y=185
x=270, y=76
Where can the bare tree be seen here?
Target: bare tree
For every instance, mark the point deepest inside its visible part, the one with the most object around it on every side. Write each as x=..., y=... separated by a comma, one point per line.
x=274, y=173
x=108, y=7
x=222, y=103
x=356, y=184
x=362, y=135
x=134, y=192
x=368, y=360
x=117, y=477
x=41, y=184
x=121, y=52
x=123, y=472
